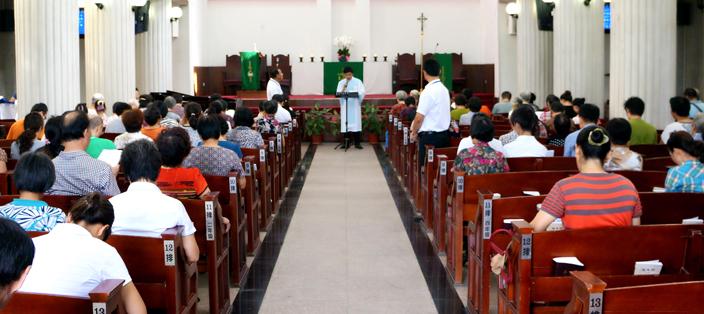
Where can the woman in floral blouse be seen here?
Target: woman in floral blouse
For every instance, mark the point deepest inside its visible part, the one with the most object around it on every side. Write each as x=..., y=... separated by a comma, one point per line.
x=481, y=158
x=243, y=134
x=267, y=123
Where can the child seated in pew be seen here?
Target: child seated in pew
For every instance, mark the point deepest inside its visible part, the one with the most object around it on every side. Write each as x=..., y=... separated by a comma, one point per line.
x=16, y=255
x=621, y=157
x=34, y=175
x=143, y=210
x=480, y=153
x=73, y=258
x=175, y=180
x=524, y=122
x=688, y=175
x=592, y=198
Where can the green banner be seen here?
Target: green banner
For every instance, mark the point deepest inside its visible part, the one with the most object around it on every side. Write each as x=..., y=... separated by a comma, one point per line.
x=250, y=70
x=445, y=60
x=332, y=74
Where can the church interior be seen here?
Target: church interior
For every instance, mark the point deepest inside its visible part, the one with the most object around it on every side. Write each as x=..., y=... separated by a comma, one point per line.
x=351, y=156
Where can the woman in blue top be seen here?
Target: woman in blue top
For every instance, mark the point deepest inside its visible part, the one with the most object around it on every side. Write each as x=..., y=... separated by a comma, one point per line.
x=34, y=175
x=688, y=175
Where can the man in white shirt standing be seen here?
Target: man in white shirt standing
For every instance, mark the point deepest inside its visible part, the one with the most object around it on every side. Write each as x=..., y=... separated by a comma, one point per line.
x=273, y=87
x=282, y=115
x=430, y=126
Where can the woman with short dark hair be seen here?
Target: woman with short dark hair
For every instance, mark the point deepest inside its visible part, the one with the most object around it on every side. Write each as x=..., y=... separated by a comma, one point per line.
x=481, y=158
x=34, y=175
x=621, y=157
x=688, y=154
x=243, y=134
x=132, y=120
x=211, y=158
x=174, y=179
x=600, y=199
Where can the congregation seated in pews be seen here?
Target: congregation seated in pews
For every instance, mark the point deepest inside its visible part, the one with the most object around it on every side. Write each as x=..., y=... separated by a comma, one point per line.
x=482, y=199
x=146, y=221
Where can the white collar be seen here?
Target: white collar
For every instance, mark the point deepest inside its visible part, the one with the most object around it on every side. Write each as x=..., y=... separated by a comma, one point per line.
x=275, y=81
x=143, y=187
x=70, y=229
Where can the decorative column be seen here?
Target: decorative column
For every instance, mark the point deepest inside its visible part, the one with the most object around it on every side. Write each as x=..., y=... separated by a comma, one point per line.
x=109, y=44
x=154, y=64
x=579, y=49
x=534, y=53
x=46, y=49
x=643, y=57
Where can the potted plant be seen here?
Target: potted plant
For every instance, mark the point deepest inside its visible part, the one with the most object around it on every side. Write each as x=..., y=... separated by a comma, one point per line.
x=371, y=123
x=343, y=44
x=316, y=123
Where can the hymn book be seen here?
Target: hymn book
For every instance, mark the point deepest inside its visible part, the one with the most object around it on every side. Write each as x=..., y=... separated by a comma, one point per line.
x=562, y=266
x=648, y=267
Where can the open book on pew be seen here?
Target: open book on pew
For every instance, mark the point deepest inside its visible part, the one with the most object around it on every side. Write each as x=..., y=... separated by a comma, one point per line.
x=110, y=156
x=508, y=223
x=693, y=221
x=562, y=266
x=658, y=189
x=531, y=193
x=648, y=267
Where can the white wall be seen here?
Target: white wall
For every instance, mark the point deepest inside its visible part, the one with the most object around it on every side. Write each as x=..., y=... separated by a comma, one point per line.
x=308, y=27
x=507, y=79
x=183, y=78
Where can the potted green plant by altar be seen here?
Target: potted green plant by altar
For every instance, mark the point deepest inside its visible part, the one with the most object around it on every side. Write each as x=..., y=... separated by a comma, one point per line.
x=371, y=123
x=317, y=123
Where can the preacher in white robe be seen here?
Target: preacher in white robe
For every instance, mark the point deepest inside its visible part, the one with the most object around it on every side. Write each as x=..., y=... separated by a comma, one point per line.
x=273, y=87
x=351, y=84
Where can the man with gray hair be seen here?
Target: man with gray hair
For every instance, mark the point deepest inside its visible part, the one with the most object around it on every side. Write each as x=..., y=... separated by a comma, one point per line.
x=698, y=127
x=170, y=103
x=400, y=102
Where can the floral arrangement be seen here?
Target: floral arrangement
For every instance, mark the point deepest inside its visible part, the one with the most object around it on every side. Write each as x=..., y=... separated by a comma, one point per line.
x=343, y=44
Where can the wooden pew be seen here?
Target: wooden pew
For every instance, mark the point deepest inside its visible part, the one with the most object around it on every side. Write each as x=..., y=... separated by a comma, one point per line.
x=438, y=197
x=610, y=253
x=251, y=204
x=105, y=298
x=464, y=202
x=651, y=150
x=658, y=163
x=214, y=243
x=658, y=208
x=273, y=164
x=541, y=163
x=263, y=177
x=232, y=204
x=160, y=270
x=591, y=294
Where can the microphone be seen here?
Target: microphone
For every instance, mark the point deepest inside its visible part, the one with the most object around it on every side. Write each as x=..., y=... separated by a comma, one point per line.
x=344, y=88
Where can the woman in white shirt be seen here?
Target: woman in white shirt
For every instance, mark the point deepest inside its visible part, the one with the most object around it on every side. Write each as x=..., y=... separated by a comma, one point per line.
x=73, y=258
x=524, y=123
x=133, y=120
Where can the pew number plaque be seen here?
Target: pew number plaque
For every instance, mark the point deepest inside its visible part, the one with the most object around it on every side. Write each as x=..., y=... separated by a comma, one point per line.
x=431, y=154
x=233, y=185
x=169, y=253
x=100, y=308
x=405, y=136
x=209, y=221
x=262, y=155
x=271, y=146
x=460, y=184
x=247, y=169
x=596, y=303
x=526, y=246
x=443, y=167
x=487, y=219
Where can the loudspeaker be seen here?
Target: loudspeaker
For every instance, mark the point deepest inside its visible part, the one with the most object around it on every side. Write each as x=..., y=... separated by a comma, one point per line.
x=141, y=19
x=7, y=21
x=544, y=15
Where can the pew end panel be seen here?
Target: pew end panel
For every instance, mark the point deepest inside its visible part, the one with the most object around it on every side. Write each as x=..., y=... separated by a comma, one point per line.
x=104, y=298
x=206, y=215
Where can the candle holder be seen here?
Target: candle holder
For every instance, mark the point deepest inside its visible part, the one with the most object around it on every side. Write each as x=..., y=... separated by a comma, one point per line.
x=312, y=59
x=364, y=58
x=322, y=59
x=300, y=59
x=376, y=58
x=386, y=58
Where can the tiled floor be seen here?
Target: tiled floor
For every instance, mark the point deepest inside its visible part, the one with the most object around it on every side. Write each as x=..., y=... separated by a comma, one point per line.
x=346, y=249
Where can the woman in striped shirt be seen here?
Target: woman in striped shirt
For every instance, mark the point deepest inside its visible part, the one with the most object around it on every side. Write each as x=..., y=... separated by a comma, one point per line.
x=592, y=198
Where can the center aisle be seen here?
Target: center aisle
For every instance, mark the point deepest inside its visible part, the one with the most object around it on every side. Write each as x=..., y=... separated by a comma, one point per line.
x=346, y=250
